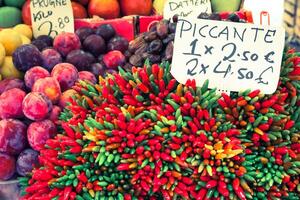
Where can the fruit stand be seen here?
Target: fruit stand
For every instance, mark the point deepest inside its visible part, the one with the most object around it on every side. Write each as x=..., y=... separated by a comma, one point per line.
x=97, y=113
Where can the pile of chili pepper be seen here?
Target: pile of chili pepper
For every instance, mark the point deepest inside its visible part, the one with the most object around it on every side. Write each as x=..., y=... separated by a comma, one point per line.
x=142, y=135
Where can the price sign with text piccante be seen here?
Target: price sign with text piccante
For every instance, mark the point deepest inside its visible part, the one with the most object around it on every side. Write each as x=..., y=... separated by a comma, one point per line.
x=51, y=17
x=232, y=56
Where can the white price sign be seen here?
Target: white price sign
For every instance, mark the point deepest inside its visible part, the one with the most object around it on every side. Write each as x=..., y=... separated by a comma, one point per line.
x=51, y=17
x=186, y=8
x=232, y=56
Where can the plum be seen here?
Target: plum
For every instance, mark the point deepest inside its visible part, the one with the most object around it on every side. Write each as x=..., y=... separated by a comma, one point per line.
x=114, y=59
x=84, y=32
x=66, y=74
x=11, y=83
x=106, y=31
x=7, y=166
x=12, y=136
x=36, y=106
x=98, y=69
x=54, y=115
x=48, y=86
x=95, y=44
x=46, y=39
x=41, y=45
x=65, y=97
x=64, y=43
x=51, y=57
x=80, y=59
x=27, y=56
x=87, y=76
x=33, y=74
x=26, y=161
x=118, y=43
x=11, y=103
x=39, y=132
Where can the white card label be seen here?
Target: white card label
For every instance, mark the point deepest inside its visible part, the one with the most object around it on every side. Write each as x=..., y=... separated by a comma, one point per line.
x=232, y=56
x=186, y=8
x=51, y=17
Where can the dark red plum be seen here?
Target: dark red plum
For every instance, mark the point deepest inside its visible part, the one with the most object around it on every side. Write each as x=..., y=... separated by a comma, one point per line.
x=94, y=44
x=27, y=56
x=118, y=43
x=46, y=39
x=36, y=106
x=41, y=45
x=34, y=74
x=114, y=59
x=54, y=115
x=98, y=69
x=11, y=83
x=106, y=31
x=64, y=43
x=66, y=74
x=87, y=76
x=51, y=57
x=26, y=161
x=80, y=59
x=12, y=136
x=84, y=32
x=11, y=103
x=39, y=132
x=48, y=86
x=7, y=166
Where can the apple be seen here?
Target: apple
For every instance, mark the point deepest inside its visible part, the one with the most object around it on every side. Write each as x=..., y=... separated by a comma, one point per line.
x=26, y=15
x=225, y=5
x=136, y=7
x=107, y=9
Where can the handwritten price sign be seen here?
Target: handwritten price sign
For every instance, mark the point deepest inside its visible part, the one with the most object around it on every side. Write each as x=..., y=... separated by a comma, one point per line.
x=51, y=17
x=232, y=56
x=186, y=8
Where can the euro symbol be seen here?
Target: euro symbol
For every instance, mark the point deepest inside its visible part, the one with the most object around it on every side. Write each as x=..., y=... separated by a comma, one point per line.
x=267, y=57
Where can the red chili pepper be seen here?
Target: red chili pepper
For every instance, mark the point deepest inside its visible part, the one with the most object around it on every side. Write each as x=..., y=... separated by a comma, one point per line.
x=187, y=180
x=69, y=131
x=236, y=183
x=289, y=124
x=201, y=194
x=166, y=195
x=67, y=192
x=41, y=175
x=222, y=188
x=82, y=177
x=123, y=166
x=281, y=150
x=240, y=193
x=254, y=93
x=211, y=184
x=36, y=186
x=166, y=157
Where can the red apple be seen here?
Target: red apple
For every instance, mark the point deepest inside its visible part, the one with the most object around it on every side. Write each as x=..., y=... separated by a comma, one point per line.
x=78, y=11
x=107, y=9
x=26, y=15
x=136, y=7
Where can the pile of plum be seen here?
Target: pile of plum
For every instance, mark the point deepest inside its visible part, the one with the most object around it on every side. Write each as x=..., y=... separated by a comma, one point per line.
x=97, y=50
